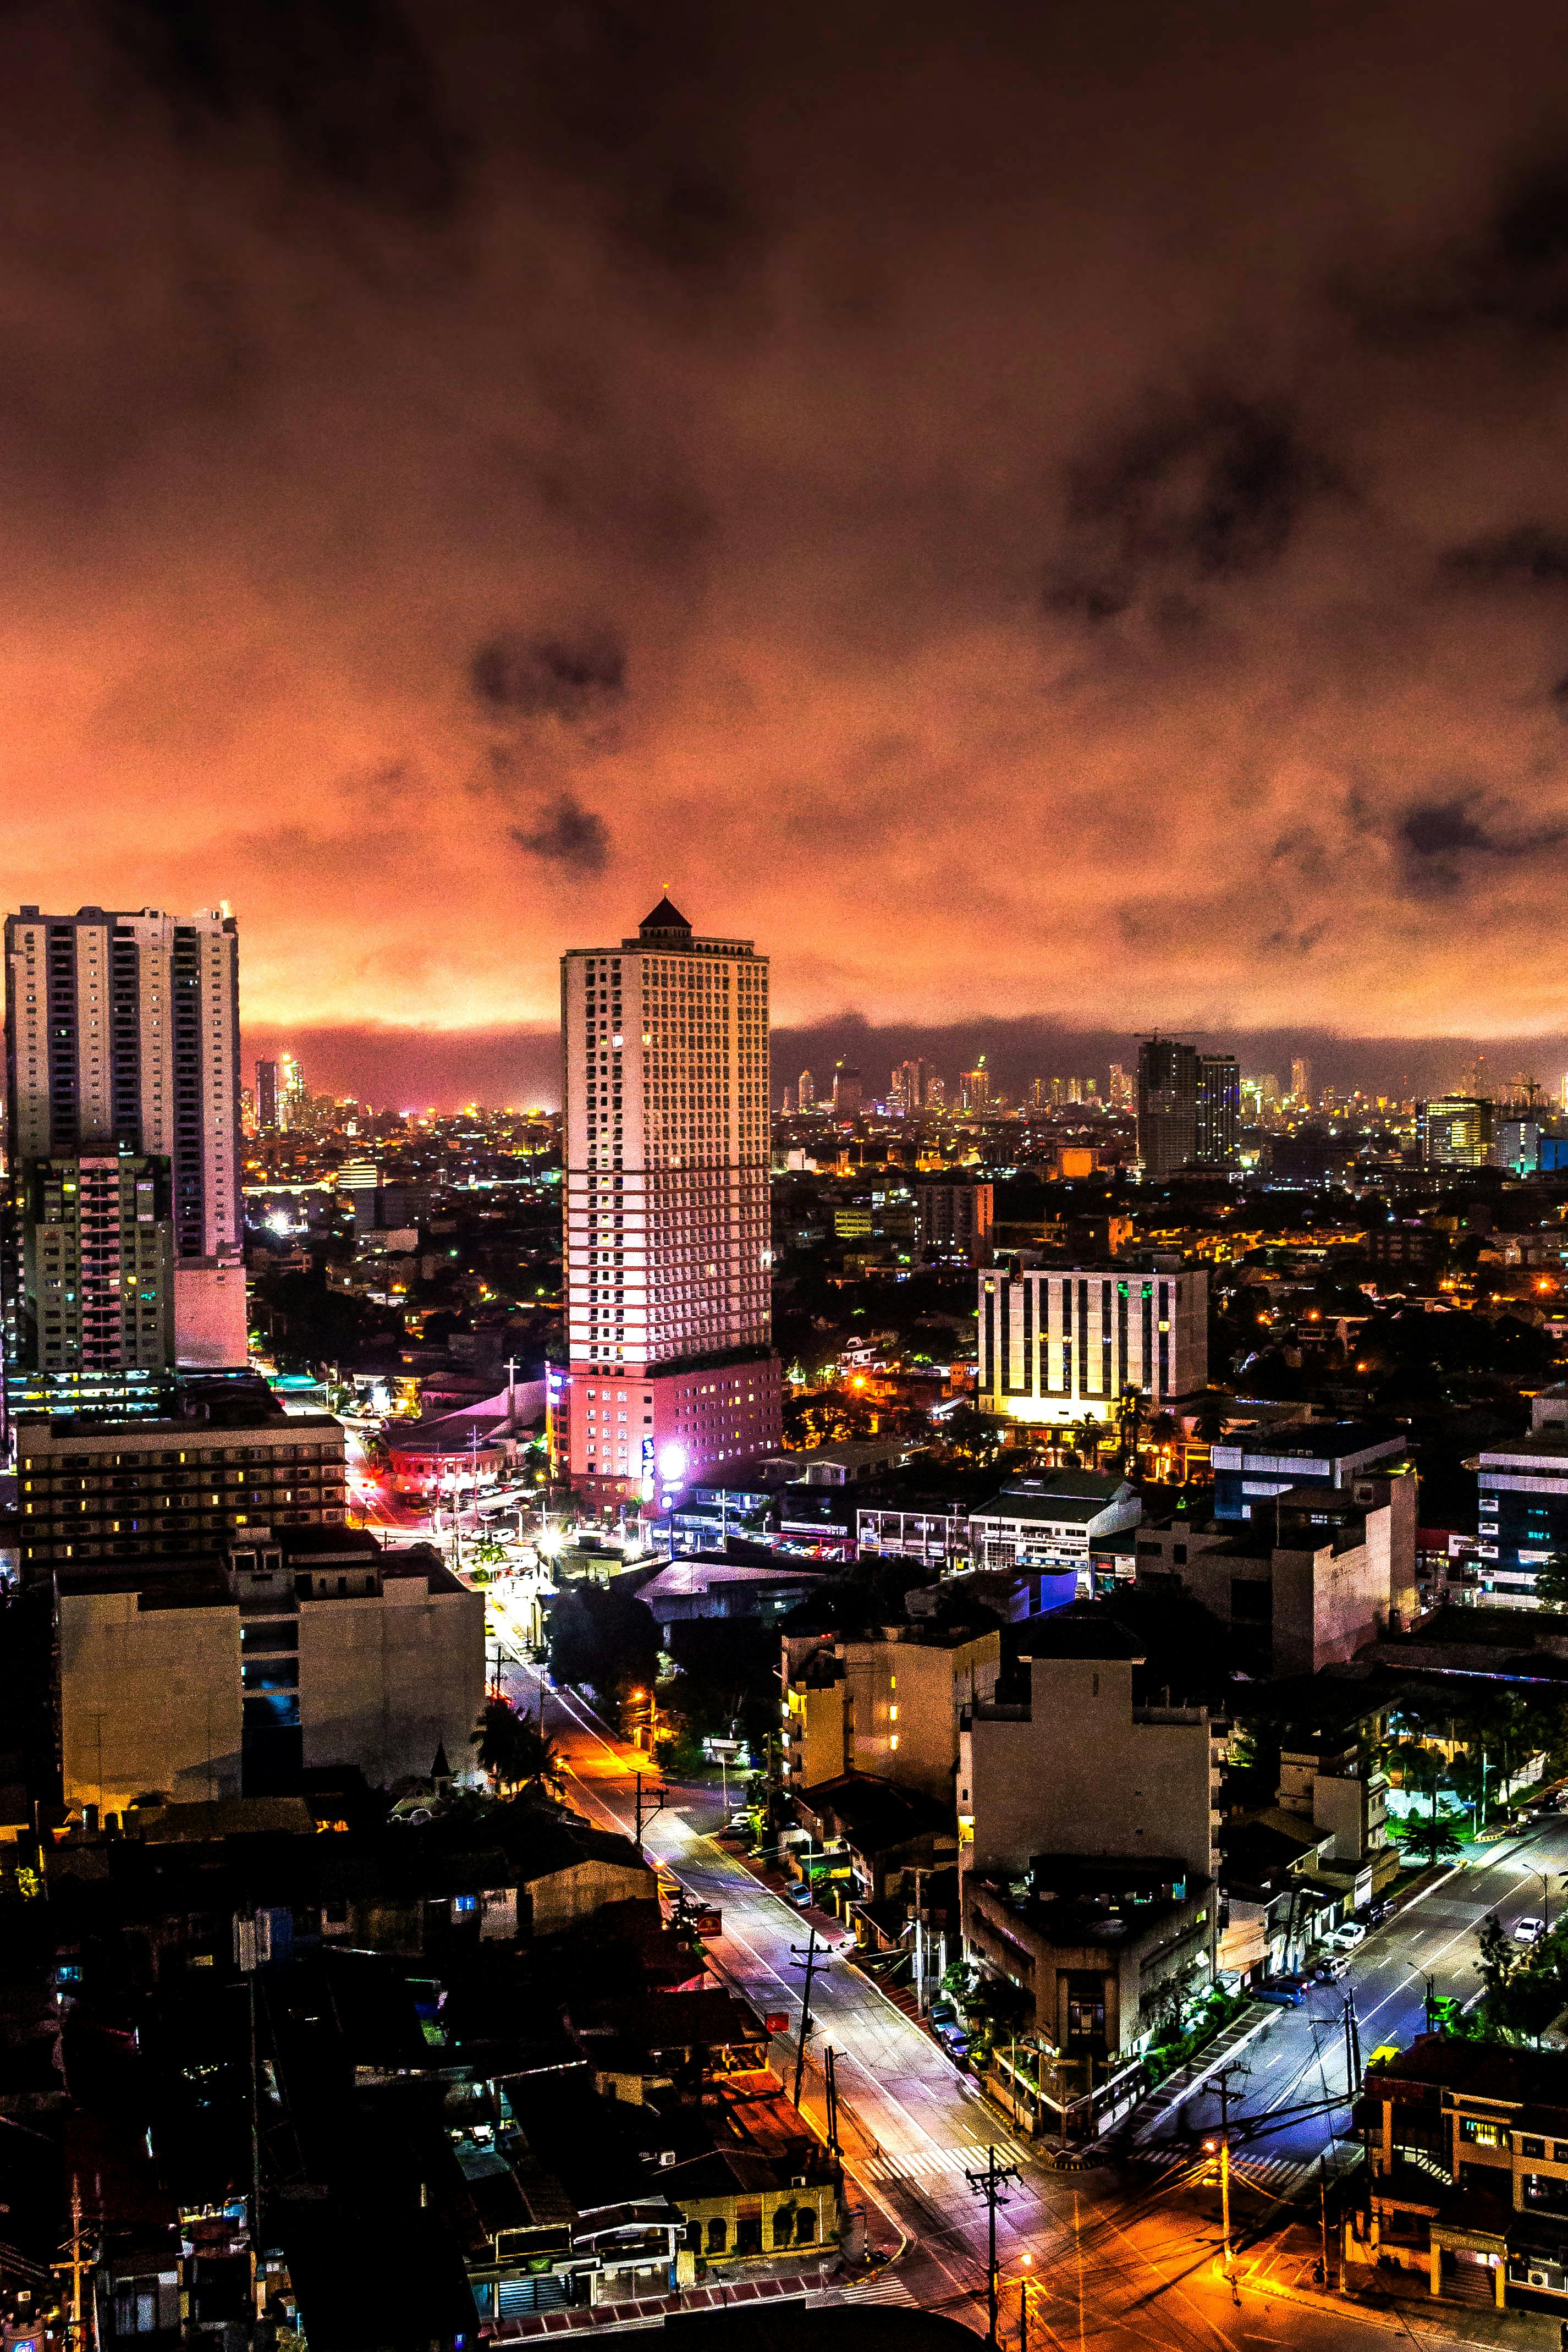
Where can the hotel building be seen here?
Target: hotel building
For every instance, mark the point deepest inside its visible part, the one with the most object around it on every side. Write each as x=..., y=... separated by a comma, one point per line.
x=671, y=1374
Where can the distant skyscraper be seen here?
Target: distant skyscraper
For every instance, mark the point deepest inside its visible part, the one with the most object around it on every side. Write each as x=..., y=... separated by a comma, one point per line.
x=974, y=1087
x=848, y=1093
x=806, y=1092
x=909, y=1083
x=1167, y=1106
x=1300, y=1077
x=122, y=1037
x=672, y=1377
x=788, y=1109
x=291, y=1091
x=266, y=1098
x=1075, y=1090
x=1218, y=1127
x=936, y=1094
x=1124, y=1088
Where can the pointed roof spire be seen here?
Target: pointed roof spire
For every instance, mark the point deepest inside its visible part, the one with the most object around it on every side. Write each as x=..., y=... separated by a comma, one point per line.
x=665, y=918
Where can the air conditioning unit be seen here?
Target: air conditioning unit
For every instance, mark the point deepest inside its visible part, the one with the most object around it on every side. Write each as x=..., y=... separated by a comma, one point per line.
x=666, y=2156
x=1538, y=2278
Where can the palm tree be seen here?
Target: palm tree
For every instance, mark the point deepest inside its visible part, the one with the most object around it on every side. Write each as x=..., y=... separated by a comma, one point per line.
x=541, y=1763
x=499, y=1739
x=1432, y=1838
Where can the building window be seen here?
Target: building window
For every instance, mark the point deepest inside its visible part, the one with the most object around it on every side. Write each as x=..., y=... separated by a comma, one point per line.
x=717, y=2235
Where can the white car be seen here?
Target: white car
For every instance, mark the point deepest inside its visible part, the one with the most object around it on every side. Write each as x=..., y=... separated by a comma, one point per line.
x=1528, y=1931
x=1346, y=1938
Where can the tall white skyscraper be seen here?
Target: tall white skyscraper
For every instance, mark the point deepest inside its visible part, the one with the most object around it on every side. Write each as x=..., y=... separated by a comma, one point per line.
x=122, y=1034
x=666, y=1134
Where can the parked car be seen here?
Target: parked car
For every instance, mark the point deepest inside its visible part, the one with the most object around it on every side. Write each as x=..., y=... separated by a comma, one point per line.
x=1346, y=1937
x=1280, y=1990
x=1377, y=1913
x=944, y=2013
x=741, y=1821
x=1528, y=1931
x=1331, y=1967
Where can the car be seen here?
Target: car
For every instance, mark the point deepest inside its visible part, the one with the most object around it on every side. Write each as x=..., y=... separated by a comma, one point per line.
x=1278, y=1991
x=1528, y=1931
x=1377, y=1913
x=1331, y=1967
x=742, y=1821
x=1346, y=1937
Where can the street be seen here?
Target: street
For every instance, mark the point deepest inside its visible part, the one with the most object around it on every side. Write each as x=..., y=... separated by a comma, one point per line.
x=1116, y=2258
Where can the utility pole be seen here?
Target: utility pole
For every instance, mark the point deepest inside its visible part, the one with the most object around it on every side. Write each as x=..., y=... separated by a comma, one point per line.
x=76, y=2263
x=1352, y=2049
x=809, y=1957
x=661, y=1792
x=1226, y=2093
x=920, y=1873
x=992, y=2185
x=832, y=2079
x=1324, y=2218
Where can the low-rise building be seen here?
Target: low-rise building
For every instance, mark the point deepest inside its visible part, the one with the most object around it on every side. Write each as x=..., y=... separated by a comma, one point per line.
x=1051, y=1523
x=888, y=1703
x=1319, y=1576
x=1467, y=2170
x=305, y=1648
x=1521, y=1509
x=866, y=1835
x=1061, y=1768
x=1255, y=1469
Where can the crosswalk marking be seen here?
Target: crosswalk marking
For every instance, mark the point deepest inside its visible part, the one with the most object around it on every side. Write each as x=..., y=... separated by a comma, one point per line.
x=941, y=2163
x=889, y=2291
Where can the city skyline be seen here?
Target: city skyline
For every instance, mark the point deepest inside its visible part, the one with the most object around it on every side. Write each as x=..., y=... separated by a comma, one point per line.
x=446, y=1071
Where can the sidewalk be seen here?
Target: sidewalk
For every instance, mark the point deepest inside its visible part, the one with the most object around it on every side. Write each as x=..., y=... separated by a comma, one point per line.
x=1176, y=2089
x=651, y=2311
x=1396, y=2303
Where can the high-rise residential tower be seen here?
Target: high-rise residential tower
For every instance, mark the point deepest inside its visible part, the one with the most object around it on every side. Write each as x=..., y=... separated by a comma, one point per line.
x=267, y=1118
x=1300, y=1077
x=1167, y=1106
x=1219, y=1125
x=122, y=1038
x=670, y=1372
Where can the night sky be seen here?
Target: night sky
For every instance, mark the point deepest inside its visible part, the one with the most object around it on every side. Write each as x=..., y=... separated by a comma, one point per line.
x=1039, y=515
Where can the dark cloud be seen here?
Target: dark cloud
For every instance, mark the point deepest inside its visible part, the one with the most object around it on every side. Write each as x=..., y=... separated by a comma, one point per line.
x=346, y=85
x=1510, y=276
x=1446, y=843
x=1533, y=556
x=571, y=835
x=1212, y=491
x=549, y=677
